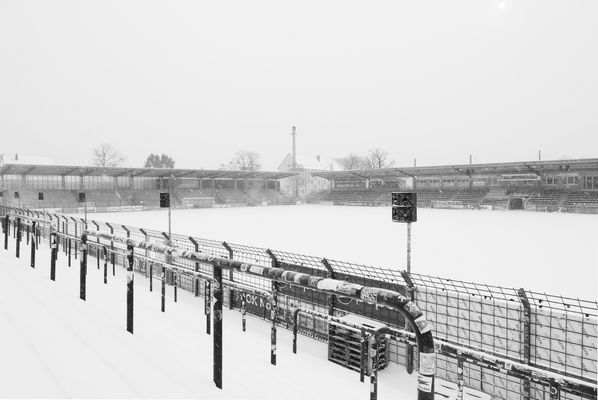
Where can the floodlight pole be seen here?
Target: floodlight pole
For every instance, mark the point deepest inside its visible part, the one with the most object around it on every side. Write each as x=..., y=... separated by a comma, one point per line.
x=169, y=207
x=408, y=247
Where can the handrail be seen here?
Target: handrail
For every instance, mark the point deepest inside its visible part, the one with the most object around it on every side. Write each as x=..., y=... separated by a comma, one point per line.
x=372, y=295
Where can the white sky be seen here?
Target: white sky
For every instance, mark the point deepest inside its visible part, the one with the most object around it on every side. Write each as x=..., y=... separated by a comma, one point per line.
x=437, y=80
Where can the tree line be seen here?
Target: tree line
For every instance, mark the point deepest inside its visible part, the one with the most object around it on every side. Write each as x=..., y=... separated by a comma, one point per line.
x=244, y=160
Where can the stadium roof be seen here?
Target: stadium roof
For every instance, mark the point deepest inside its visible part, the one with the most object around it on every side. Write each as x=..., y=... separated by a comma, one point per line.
x=66, y=170
x=528, y=167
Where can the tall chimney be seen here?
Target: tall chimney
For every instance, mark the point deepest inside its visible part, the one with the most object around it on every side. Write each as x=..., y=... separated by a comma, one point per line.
x=294, y=133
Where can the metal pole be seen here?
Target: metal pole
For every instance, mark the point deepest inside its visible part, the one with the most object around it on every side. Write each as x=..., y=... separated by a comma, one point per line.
x=53, y=253
x=32, y=233
x=130, y=288
x=18, y=248
x=169, y=207
x=105, y=265
x=409, y=247
x=207, y=304
x=83, y=269
x=6, y=230
x=217, y=315
x=175, y=286
x=163, y=297
x=273, y=317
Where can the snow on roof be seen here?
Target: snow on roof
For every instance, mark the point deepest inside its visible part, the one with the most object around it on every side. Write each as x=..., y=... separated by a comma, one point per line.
x=24, y=159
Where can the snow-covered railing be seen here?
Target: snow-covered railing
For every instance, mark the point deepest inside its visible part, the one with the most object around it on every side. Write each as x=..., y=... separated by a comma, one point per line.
x=576, y=384
x=378, y=296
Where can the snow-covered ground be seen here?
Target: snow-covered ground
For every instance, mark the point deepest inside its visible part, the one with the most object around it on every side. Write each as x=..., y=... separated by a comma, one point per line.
x=55, y=345
x=555, y=253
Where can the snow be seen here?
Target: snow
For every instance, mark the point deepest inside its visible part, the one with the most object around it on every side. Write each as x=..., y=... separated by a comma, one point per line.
x=556, y=253
x=56, y=345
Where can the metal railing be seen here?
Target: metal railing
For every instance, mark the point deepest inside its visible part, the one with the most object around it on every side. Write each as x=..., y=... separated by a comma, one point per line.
x=554, y=333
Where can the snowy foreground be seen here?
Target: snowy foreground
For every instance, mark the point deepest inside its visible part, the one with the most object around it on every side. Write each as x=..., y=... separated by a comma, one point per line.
x=556, y=253
x=55, y=345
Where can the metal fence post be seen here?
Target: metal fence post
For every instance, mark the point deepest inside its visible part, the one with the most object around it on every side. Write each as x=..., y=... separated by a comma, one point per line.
x=410, y=293
x=207, y=304
x=217, y=315
x=97, y=249
x=169, y=273
x=130, y=288
x=527, y=316
x=331, y=297
x=196, y=247
x=6, y=230
x=163, y=295
x=230, y=274
x=76, y=234
x=273, y=310
x=83, y=269
x=53, y=252
x=18, y=247
x=105, y=264
x=32, y=241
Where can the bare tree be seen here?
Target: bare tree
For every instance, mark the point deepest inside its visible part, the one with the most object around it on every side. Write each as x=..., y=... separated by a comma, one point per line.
x=353, y=161
x=245, y=160
x=378, y=159
x=107, y=156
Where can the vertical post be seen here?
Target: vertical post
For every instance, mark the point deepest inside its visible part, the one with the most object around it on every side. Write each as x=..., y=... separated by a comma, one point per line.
x=130, y=288
x=409, y=247
x=331, y=297
x=374, y=368
x=53, y=253
x=295, y=328
x=163, y=297
x=112, y=256
x=32, y=241
x=83, y=269
x=230, y=274
x=151, y=277
x=174, y=277
x=274, y=320
x=27, y=233
x=196, y=281
x=207, y=295
x=273, y=310
x=410, y=293
x=459, y=378
x=146, y=238
x=169, y=223
x=243, y=313
x=6, y=230
x=527, y=315
x=18, y=248
x=363, y=360
x=105, y=264
x=70, y=247
x=97, y=249
x=76, y=251
x=217, y=315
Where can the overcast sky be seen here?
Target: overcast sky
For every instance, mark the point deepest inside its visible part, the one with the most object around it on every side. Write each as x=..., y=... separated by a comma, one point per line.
x=437, y=80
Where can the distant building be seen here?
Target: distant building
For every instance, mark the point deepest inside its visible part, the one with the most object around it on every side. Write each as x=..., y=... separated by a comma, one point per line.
x=305, y=183
x=16, y=158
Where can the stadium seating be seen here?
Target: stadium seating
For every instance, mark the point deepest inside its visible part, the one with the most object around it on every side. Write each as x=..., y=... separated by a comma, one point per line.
x=581, y=200
x=549, y=199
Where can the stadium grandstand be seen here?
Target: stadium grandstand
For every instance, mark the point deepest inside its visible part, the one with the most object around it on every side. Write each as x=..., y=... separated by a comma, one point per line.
x=563, y=185
x=56, y=187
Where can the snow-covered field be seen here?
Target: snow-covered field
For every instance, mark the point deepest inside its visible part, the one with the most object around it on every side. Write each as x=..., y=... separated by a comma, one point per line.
x=555, y=253
x=54, y=345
